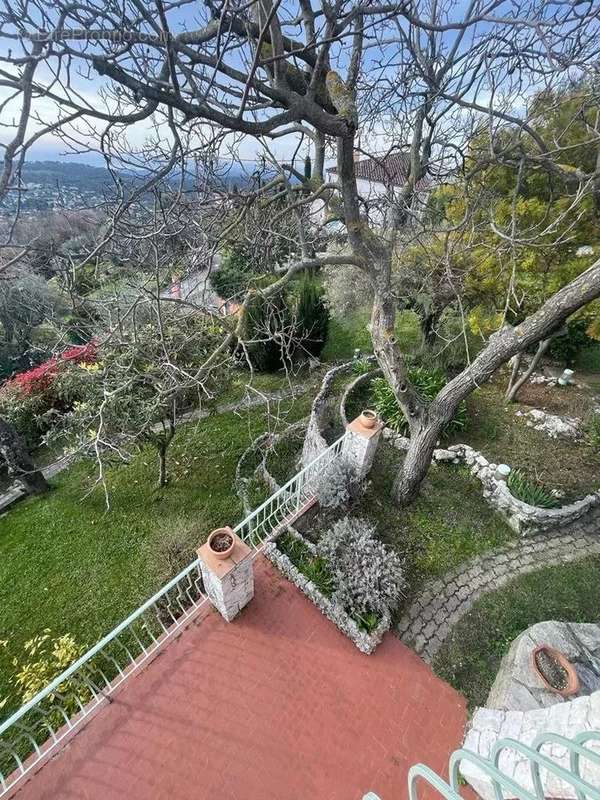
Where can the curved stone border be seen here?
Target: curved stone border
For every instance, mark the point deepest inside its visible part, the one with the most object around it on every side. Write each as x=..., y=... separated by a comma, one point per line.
x=269, y=440
x=522, y=517
x=427, y=622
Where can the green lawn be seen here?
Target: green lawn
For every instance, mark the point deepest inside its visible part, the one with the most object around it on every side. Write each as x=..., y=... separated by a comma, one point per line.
x=68, y=564
x=352, y=332
x=448, y=523
x=471, y=657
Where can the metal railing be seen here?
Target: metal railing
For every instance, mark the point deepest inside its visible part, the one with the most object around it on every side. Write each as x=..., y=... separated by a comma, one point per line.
x=47, y=719
x=500, y=785
x=287, y=503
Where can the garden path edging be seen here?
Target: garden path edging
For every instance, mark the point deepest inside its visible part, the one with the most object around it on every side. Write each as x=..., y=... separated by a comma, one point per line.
x=441, y=603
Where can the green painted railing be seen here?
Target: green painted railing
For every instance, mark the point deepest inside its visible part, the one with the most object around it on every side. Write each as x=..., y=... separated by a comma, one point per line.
x=503, y=786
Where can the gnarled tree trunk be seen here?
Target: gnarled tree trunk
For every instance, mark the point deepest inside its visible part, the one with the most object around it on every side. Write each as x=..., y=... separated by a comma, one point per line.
x=20, y=464
x=416, y=463
x=515, y=382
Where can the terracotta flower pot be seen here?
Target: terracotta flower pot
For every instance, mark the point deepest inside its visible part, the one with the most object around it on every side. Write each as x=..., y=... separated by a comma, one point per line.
x=217, y=541
x=572, y=679
x=368, y=418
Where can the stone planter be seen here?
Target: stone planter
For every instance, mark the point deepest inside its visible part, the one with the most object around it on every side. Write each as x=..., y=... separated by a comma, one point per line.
x=364, y=641
x=215, y=543
x=572, y=686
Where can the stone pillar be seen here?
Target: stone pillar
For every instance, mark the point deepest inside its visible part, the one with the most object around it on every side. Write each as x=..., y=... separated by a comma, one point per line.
x=361, y=444
x=228, y=582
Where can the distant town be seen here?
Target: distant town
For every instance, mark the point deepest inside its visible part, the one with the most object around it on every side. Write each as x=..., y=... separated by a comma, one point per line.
x=49, y=185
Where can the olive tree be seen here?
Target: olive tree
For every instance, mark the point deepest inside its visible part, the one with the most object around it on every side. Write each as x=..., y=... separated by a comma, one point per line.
x=146, y=376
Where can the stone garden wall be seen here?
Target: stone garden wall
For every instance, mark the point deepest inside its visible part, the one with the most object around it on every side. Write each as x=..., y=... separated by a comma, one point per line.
x=522, y=517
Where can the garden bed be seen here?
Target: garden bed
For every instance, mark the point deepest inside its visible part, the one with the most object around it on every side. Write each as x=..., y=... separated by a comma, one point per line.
x=570, y=466
x=297, y=559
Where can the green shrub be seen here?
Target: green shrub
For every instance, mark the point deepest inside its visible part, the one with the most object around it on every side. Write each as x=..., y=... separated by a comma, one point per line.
x=234, y=275
x=269, y=333
x=312, y=317
x=45, y=658
x=529, y=492
x=369, y=577
x=565, y=348
x=428, y=382
x=28, y=414
x=361, y=366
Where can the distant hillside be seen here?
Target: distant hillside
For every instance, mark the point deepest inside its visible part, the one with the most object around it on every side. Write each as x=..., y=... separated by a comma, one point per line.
x=65, y=173
x=72, y=185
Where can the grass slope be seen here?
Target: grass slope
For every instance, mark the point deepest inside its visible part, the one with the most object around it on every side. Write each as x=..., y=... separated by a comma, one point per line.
x=448, y=523
x=69, y=565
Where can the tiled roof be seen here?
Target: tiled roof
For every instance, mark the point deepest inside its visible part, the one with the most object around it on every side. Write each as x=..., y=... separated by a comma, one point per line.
x=390, y=170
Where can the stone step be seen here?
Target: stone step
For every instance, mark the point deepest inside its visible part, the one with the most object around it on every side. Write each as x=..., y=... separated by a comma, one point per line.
x=566, y=719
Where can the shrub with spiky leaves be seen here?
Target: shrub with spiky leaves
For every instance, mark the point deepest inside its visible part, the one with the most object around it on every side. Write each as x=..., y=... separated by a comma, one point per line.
x=368, y=577
x=529, y=492
x=428, y=382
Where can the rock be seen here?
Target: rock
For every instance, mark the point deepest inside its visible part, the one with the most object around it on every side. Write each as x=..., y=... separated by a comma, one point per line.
x=552, y=424
x=444, y=455
x=523, y=708
x=518, y=687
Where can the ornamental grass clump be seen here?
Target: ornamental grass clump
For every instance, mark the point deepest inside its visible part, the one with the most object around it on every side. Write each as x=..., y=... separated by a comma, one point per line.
x=534, y=494
x=427, y=382
x=368, y=577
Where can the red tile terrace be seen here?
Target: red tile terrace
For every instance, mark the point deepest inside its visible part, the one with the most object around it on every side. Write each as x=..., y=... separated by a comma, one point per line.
x=177, y=703
x=277, y=704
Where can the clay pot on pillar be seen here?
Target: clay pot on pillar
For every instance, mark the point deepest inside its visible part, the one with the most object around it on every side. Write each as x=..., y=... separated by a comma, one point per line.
x=221, y=543
x=368, y=418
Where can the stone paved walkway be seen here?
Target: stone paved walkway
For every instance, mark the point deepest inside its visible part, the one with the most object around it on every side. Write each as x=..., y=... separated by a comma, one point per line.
x=442, y=602
x=277, y=705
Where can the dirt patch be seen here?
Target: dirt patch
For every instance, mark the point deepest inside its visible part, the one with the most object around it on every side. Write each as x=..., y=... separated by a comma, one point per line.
x=565, y=401
x=493, y=427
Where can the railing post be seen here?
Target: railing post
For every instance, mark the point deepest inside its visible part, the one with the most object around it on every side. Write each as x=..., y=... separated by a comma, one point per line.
x=228, y=582
x=360, y=444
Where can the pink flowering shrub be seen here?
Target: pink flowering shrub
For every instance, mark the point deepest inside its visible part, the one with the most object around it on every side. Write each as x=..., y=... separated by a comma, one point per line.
x=28, y=397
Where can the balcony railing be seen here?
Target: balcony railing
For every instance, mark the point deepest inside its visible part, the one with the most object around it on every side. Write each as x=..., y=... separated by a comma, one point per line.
x=493, y=783
x=41, y=724
x=287, y=503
